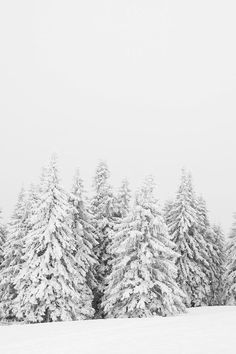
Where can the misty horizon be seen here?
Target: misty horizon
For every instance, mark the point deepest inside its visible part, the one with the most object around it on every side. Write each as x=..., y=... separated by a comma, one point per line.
x=149, y=87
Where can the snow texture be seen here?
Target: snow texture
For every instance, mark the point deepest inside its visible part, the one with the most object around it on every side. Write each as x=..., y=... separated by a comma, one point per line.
x=206, y=330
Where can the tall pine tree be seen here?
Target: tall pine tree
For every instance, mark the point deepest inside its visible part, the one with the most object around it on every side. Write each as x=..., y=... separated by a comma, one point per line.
x=205, y=231
x=85, y=236
x=13, y=255
x=214, y=239
x=230, y=273
x=218, y=265
x=2, y=238
x=102, y=207
x=48, y=285
x=122, y=200
x=183, y=225
x=143, y=278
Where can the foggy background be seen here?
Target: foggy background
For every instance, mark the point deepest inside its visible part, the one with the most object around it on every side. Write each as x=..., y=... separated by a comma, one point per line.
x=149, y=86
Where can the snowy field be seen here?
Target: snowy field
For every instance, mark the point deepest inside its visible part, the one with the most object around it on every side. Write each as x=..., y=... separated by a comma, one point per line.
x=203, y=331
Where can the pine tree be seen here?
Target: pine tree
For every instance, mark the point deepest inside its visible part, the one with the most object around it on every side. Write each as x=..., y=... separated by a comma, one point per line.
x=102, y=207
x=2, y=242
x=13, y=255
x=122, y=202
x=183, y=225
x=230, y=273
x=85, y=236
x=48, y=284
x=167, y=210
x=218, y=266
x=214, y=239
x=2, y=238
x=205, y=231
x=142, y=281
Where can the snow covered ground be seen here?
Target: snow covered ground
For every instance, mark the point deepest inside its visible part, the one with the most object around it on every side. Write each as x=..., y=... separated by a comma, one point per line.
x=209, y=330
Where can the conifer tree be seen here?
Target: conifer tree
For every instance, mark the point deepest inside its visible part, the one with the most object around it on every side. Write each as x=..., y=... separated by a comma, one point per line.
x=230, y=272
x=48, y=285
x=206, y=233
x=183, y=225
x=218, y=265
x=102, y=207
x=143, y=278
x=13, y=255
x=85, y=236
x=122, y=202
x=2, y=238
x=214, y=239
x=2, y=242
x=167, y=210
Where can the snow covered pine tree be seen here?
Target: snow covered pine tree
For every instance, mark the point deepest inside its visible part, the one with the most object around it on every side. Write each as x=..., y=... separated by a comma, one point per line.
x=214, y=239
x=102, y=207
x=47, y=284
x=230, y=273
x=2, y=242
x=13, y=256
x=143, y=278
x=183, y=226
x=2, y=238
x=218, y=265
x=85, y=236
x=122, y=200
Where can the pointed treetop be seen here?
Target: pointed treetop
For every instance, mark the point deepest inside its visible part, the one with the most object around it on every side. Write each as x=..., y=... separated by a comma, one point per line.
x=77, y=186
x=147, y=190
x=123, y=199
x=102, y=167
x=50, y=173
x=20, y=205
x=102, y=174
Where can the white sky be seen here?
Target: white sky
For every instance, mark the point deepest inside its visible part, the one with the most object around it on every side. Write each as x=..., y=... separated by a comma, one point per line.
x=149, y=86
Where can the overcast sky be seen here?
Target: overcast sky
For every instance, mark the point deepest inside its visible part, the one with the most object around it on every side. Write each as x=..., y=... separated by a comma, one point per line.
x=149, y=86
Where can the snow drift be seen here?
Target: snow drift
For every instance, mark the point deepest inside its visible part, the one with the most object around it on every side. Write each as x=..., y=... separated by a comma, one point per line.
x=207, y=330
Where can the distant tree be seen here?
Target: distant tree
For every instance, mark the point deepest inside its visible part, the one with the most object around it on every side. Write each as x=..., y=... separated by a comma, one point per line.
x=102, y=207
x=183, y=225
x=85, y=236
x=122, y=201
x=143, y=277
x=230, y=273
x=48, y=283
x=13, y=255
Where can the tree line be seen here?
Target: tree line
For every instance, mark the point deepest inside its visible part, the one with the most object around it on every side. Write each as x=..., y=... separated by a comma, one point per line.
x=64, y=256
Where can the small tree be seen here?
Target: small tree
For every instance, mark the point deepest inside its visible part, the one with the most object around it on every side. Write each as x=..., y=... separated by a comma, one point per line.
x=142, y=281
